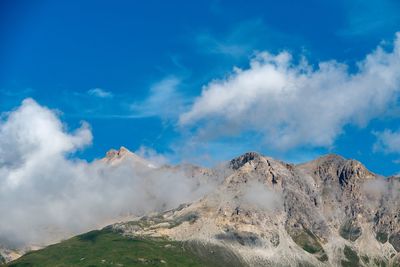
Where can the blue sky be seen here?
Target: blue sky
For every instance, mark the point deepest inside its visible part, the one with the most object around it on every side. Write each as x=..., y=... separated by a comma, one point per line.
x=135, y=71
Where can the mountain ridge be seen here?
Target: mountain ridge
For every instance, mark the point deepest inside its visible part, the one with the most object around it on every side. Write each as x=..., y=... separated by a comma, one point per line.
x=330, y=211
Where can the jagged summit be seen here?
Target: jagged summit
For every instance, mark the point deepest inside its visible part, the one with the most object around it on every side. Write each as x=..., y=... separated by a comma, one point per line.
x=337, y=168
x=238, y=162
x=114, y=153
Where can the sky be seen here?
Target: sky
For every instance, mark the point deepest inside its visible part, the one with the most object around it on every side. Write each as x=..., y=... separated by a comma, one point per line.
x=205, y=81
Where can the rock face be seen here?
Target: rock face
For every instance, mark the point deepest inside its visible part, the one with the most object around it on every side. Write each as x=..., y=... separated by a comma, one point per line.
x=327, y=212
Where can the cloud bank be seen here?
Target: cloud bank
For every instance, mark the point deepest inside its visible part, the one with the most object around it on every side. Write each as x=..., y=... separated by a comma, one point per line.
x=47, y=194
x=294, y=104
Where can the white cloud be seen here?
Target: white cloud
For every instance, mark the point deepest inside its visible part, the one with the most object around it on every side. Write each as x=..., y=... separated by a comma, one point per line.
x=47, y=194
x=164, y=100
x=98, y=92
x=388, y=141
x=293, y=104
x=152, y=156
x=31, y=135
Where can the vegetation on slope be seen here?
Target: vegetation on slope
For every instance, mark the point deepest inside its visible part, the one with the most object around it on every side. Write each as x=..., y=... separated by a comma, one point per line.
x=309, y=242
x=352, y=258
x=108, y=248
x=350, y=230
x=395, y=241
x=382, y=237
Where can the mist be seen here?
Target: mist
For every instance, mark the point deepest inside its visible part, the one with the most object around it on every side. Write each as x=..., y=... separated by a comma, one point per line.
x=262, y=197
x=47, y=194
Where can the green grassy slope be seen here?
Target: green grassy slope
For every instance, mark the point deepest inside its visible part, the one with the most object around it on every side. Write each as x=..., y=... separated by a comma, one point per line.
x=107, y=248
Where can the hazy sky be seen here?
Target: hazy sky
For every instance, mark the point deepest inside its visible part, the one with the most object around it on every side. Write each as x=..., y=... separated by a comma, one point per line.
x=204, y=81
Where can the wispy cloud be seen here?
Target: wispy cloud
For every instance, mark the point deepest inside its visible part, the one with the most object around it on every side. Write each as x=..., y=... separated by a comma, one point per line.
x=243, y=39
x=365, y=17
x=12, y=93
x=99, y=92
x=164, y=100
x=152, y=155
x=387, y=141
x=213, y=45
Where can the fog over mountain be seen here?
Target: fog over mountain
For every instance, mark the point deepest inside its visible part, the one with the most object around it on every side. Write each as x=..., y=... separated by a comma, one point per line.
x=327, y=212
x=259, y=210
x=46, y=194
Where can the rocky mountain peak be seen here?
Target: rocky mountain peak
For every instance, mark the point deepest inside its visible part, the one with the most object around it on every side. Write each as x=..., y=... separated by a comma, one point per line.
x=354, y=169
x=113, y=153
x=253, y=167
x=336, y=168
x=123, y=154
x=330, y=159
x=238, y=162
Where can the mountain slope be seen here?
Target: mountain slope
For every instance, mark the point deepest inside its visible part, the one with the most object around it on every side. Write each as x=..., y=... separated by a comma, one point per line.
x=327, y=212
x=108, y=248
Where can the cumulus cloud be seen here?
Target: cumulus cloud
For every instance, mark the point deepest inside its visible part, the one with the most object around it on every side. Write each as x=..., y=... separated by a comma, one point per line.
x=98, y=92
x=31, y=135
x=294, y=104
x=46, y=193
x=388, y=141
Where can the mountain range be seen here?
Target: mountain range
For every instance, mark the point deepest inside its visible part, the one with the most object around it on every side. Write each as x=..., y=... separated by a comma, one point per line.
x=256, y=211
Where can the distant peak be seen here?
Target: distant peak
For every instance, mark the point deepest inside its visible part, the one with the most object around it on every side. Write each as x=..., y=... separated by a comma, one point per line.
x=343, y=169
x=123, y=149
x=326, y=160
x=331, y=157
x=114, y=156
x=238, y=162
x=338, y=161
x=113, y=153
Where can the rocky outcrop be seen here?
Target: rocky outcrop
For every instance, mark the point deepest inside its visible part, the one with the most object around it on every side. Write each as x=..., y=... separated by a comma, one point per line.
x=323, y=214
x=248, y=157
